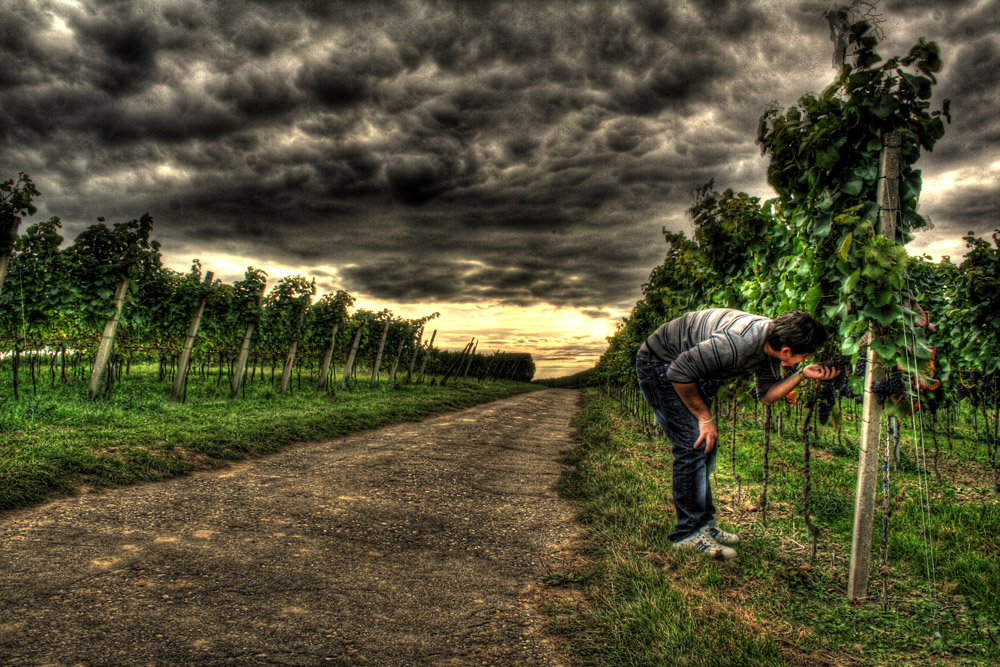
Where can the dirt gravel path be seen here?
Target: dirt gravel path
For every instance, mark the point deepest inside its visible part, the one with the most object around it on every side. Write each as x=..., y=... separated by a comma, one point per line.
x=414, y=544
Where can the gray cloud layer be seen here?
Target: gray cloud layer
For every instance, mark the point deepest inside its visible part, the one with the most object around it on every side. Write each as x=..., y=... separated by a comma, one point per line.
x=518, y=152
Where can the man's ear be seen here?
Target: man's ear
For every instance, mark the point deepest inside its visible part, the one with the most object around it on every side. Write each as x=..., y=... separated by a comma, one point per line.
x=786, y=353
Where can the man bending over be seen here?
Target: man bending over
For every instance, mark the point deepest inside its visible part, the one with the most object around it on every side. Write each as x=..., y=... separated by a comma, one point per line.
x=717, y=344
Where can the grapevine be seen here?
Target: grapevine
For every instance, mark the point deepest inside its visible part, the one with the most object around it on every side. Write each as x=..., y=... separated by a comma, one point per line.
x=835, y=387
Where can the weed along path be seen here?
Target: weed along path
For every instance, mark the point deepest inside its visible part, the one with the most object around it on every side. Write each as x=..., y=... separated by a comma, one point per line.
x=414, y=544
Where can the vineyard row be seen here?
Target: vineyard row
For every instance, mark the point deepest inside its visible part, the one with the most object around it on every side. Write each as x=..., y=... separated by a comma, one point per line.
x=106, y=300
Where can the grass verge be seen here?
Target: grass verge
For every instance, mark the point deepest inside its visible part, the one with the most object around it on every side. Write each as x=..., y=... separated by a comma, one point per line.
x=640, y=602
x=58, y=442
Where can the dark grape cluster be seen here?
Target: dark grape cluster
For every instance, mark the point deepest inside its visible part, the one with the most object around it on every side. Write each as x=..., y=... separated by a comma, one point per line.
x=827, y=399
x=842, y=364
x=972, y=377
x=892, y=385
x=859, y=368
x=838, y=386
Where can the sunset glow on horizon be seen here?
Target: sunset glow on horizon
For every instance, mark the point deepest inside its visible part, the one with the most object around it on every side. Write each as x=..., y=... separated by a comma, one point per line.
x=562, y=341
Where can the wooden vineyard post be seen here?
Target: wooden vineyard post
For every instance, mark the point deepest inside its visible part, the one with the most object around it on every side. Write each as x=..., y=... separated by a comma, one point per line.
x=468, y=365
x=107, y=340
x=487, y=370
x=286, y=373
x=413, y=356
x=324, y=370
x=4, y=261
x=395, y=364
x=502, y=368
x=350, y=357
x=241, y=364
x=182, y=364
x=457, y=364
x=378, y=355
x=871, y=417
x=427, y=355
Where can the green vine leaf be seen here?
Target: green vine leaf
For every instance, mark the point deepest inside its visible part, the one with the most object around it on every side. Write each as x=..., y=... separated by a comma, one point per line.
x=827, y=158
x=844, y=249
x=812, y=298
x=885, y=316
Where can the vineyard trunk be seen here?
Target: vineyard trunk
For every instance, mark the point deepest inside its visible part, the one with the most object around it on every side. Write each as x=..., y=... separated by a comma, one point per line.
x=350, y=358
x=378, y=355
x=15, y=362
x=324, y=370
x=241, y=363
x=767, y=447
x=4, y=262
x=884, y=549
x=413, y=356
x=871, y=419
x=457, y=363
x=427, y=355
x=395, y=364
x=107, y=340
x=286, y=373
x=807, y=456
x=468, y=365
x=189, y=344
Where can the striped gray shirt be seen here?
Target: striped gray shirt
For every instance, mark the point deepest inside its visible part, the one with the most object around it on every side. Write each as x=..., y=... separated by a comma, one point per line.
x=715, y=344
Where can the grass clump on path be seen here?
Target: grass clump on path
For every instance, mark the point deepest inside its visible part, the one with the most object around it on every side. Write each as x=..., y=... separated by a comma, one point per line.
x=58, y=441
x=638, y=601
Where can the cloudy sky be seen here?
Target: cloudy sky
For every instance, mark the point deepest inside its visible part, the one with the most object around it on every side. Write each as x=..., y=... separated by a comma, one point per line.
x=508, y=164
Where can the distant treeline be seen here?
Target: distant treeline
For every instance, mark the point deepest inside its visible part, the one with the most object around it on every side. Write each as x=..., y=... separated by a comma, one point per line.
x=516, y=366
x=587, y=378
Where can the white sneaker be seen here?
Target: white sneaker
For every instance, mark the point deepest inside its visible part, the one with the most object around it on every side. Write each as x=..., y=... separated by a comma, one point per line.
x=706, y=544
x=719, y=535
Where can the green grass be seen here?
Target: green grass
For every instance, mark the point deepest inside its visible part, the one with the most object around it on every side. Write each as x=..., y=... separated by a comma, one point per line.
x=57, y=441
x=647, y=604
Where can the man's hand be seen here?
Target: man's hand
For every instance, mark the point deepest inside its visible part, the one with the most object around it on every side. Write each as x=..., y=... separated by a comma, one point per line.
x=709, y=434
x=691, y=397
x=819, y=372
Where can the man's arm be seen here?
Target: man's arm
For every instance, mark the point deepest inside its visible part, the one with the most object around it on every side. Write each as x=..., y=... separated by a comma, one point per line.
x=709, y=432
x=783, y=387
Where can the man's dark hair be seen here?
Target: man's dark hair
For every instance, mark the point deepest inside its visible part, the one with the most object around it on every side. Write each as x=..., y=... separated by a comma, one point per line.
x=797, y=330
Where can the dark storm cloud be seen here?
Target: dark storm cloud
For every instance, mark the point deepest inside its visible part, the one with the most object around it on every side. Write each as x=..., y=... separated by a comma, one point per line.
x=597, y=313
x=972, y=209
x=972, y=83
x=515, y=152
x=258, y=94
x=459, y=280
x=122, y=46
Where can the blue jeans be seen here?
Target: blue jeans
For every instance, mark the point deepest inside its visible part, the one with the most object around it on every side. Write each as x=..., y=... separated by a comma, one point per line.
x=692, y=467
